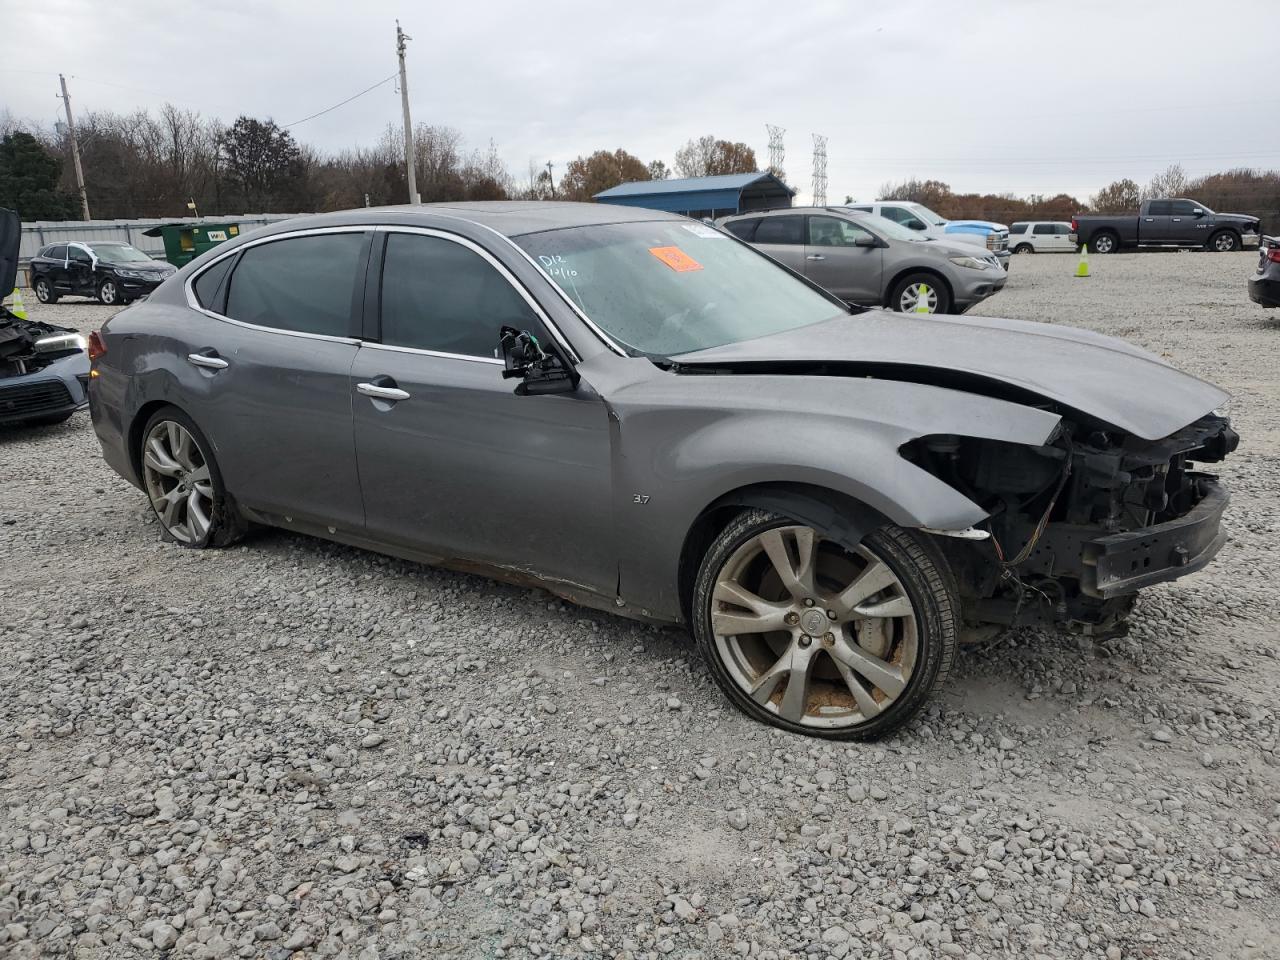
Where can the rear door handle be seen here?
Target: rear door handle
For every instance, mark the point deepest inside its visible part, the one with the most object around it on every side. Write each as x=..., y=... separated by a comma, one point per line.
x=209, y=360
x=815, y=256
x=379, y=392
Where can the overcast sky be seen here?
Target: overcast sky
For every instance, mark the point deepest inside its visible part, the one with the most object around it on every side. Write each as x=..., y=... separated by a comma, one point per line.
x=1017, y=95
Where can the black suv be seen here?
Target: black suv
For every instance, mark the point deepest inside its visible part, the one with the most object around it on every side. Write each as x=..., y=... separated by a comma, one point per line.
x=113, y=272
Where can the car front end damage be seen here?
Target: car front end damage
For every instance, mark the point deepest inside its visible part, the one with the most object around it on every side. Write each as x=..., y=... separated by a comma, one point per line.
x=44, y=371
x=1077, y=526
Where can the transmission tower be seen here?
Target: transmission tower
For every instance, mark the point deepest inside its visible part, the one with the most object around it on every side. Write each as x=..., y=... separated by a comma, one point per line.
x=819, y=170
x=775, y=149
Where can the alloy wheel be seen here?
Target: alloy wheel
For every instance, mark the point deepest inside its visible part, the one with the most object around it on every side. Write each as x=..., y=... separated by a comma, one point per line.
x=107, y=293
x=1224, y=243
x=822, y=636
x=42, y=290
x=1103, y=244
x=914, y=293
x=176, y=474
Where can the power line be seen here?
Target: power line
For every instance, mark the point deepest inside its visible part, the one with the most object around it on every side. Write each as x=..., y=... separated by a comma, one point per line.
x=343, y=103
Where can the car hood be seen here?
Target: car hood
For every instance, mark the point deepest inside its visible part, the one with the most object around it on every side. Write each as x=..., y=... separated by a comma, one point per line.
x=156, y=267
x=1242, y=217
x=980, y=224
x=1099, y=376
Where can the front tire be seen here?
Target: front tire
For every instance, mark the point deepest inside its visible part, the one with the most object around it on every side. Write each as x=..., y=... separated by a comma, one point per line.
x=908, y=293
x=1024, y=248
x=1104, y=243
x=44, y=291
x=807, y=635
x=108, y=293
x=183, y=483
x=1224, y=241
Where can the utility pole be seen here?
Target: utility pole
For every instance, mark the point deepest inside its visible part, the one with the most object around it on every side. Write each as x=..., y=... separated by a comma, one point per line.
x=401, y=38
x=75, y=149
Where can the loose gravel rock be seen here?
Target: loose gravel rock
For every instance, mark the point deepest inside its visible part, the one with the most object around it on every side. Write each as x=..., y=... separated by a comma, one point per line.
x=292, y=748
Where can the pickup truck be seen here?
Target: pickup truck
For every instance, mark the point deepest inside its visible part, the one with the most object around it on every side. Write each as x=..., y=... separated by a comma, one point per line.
x=1174, y=222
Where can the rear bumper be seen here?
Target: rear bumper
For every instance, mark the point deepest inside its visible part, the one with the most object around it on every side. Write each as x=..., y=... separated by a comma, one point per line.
x=1265, y=290
x=1124, y=563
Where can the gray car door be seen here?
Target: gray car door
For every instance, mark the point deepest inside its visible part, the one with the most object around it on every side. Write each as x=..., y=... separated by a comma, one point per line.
x=782, y=238
x=272, y=384
x=833, y=259
x=452, y=461
x=1156, y=225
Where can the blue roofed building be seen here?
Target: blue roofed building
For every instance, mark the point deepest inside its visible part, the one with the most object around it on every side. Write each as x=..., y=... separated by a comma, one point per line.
x=717, y=196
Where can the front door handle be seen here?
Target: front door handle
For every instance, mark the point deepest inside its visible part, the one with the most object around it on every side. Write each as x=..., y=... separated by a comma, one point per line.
x=209, y=360
x=379, y=392
x=815, y=256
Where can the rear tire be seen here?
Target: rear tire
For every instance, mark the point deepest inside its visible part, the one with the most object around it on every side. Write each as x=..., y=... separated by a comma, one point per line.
x=182, y=480
x=44, y=291
x=907, y=292
x=850, y=650
x=1224, y=241
x=1104, y=243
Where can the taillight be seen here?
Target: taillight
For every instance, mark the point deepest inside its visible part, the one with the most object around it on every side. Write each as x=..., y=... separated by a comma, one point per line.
x=1273, y=254
x=97, y=347
x=1074, y=228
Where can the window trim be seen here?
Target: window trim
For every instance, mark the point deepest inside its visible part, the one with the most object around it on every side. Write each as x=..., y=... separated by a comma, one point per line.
x=194, y=304
x=375, y=297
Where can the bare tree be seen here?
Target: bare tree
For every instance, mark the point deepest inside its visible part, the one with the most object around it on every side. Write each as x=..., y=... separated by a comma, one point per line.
x=1171, y=183
x=707, y=157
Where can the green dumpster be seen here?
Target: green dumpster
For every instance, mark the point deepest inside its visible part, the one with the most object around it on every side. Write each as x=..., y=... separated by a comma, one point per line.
x=183, y=242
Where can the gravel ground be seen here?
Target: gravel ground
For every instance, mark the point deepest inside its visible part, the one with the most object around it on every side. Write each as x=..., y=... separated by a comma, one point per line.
x=295, y=748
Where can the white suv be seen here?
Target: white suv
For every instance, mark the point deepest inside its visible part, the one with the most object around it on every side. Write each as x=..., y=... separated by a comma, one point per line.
x=1042, y=236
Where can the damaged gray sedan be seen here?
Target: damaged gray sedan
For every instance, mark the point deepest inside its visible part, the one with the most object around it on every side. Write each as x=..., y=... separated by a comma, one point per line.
x=640, y=413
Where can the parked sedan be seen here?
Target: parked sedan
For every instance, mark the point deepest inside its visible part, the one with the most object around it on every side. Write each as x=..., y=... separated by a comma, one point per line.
x=1042, y=236
x=871, y=261
x=112, y=272
x=637, y=412
x=1264, y=285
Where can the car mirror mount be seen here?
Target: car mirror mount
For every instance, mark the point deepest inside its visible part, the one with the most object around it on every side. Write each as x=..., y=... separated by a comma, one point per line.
x=862, y=241
x=540, y=371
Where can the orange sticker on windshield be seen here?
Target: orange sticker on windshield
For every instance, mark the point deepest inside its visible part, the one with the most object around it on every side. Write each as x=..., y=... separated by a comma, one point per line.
x=676, y=259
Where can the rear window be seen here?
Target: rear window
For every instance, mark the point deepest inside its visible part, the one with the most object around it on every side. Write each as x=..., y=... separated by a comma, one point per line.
x=743, y=229
x=57, y=252
x=780, y=230
x=304, y=284
x=210, y=287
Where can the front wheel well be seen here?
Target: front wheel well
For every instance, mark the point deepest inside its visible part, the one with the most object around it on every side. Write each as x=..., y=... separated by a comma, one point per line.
x=902, y=274
x=849, y=520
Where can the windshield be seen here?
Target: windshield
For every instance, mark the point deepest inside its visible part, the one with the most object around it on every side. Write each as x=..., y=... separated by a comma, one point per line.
x=665, y=287
x=887, y=228
x=119, y=253
x=929, y=215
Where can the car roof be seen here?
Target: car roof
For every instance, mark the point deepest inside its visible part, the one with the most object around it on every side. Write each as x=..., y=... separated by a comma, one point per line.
x=511, y=218
x=838, y=211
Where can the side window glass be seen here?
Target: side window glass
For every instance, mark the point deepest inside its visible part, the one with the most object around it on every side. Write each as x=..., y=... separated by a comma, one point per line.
x=1159, y=208
x=780, y=230
x=833, y=232
x=1018, y=228
x=80, y=255
x=305, y=284
x=743, y=229
x=1042, y=229
x=210, y=287
x=58, y=252
x=439, y=295
x=1184, y=208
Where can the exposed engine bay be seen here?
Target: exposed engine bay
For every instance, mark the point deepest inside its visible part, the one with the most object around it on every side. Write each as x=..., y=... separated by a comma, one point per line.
x=1079, y=525
x=28, y=346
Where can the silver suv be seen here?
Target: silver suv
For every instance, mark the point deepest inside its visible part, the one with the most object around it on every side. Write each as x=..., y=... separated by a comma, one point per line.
x=870, y=261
